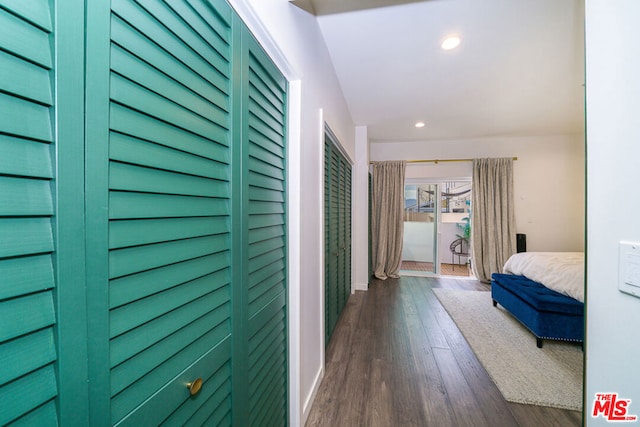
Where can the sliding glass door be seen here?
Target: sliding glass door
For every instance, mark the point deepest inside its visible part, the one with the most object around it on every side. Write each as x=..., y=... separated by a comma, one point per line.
x=437, y=228
x=420, y=245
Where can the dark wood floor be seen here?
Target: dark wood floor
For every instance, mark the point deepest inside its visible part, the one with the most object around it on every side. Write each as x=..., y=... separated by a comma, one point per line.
x=397, y=359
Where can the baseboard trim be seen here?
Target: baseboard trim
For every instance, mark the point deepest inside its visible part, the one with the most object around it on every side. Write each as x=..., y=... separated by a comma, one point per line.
x=362, y=286
x=312, y=396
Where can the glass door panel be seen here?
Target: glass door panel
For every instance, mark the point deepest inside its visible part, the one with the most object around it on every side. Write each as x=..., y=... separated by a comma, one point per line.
x=455, y=229
x=420, y=249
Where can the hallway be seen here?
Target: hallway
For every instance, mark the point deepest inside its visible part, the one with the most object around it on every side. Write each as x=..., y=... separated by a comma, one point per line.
x=397, y=359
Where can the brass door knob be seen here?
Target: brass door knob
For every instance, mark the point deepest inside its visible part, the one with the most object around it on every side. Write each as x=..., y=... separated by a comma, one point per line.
x=195, y=386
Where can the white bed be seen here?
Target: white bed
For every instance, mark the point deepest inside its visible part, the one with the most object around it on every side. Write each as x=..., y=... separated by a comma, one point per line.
x=561, y=271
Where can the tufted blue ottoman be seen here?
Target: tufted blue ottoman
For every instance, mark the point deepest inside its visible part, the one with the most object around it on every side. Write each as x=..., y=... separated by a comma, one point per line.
x=545, y=312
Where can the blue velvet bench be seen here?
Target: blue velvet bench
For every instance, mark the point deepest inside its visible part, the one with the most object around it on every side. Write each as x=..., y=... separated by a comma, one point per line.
x=546, y=313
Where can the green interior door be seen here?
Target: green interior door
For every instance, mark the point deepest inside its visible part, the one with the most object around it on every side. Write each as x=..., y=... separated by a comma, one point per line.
x=337, y=234
x=27, y=207
x=143, y=216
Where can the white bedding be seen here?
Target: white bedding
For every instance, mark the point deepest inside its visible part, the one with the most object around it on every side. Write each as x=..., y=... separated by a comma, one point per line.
x=561, y=271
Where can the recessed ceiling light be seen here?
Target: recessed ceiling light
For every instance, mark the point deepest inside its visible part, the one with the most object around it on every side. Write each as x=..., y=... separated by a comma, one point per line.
x=451, y=42
x=420, y=124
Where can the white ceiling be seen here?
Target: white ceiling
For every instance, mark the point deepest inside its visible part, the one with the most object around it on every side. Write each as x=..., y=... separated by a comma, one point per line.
x=518, y=72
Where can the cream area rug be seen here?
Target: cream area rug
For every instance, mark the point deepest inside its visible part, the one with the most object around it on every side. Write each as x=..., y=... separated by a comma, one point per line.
x=547, y=376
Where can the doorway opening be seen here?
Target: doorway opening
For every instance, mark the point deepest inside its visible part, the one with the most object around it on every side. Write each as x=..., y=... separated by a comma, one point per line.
x=437, y=228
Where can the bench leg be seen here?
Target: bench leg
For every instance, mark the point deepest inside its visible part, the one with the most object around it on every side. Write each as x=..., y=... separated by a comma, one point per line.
x=539, y=342
x=495, y=303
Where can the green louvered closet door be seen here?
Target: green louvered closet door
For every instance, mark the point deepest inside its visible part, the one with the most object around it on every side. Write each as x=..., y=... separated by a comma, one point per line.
x=260, y=356
x=27, y=193
x=337, y=234
x=169, y=212
x=196, y=219
x=142, y=216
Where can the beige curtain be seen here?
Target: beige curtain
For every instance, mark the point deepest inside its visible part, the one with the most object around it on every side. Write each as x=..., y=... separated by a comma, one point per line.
x=493, y=225
x=387, y=222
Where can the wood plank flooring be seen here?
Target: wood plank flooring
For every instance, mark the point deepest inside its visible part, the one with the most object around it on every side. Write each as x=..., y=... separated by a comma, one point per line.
x=397, y=359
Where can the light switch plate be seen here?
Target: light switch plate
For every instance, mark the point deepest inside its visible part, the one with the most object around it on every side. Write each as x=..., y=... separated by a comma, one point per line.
x=629, y=272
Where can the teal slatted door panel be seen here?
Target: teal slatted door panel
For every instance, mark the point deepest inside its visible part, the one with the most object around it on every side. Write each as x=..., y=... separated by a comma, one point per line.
x=169, y=212
x=334, y=243
x=342, y=235
x=337, y=234
x=347, y=230
x=265, y=267
x=328, y=258
x=28, y=386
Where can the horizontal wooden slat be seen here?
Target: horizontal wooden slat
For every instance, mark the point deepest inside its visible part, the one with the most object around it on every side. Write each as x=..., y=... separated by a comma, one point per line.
x=41, y=416
x=124, y=205
x=24, y=118
x=25, y=236
x=132, y=150
x=259, y=140
x=258, y=166
x=265, y=291
x=267, y=335
x=217, y=14
x=258, y=152
x=130, y=122
x=35, y=11
x=148, y=77
x=272, y=79
x=266, y=195
x=24, y=79
x=265, y=246
x=261, y=181
x=169, y=397
x=131, y=288
x=217, y=91
x=269, y=372
x=21, y=316
x=262, y=317
x=265, y=259
x=26, y=275
x=264, y=273
x=25, y=40
x=26, y=354
x=270, y=398
x=126, y=233
x=261, y=221
x=127, y=345
x=151, y=28
x=130, y=316
x=141, y=258
x=23, y=157
x=263, y=97
x=184, y=31
x=264, y=115
x=142, y=179
x=143, y=363
x=260, y=234
x=31, y=391
x=265, y=208
x=274, y=135
x=25, y=197
x=156, y=381
x=265, y=111
x=134, y=96
x=216, y=40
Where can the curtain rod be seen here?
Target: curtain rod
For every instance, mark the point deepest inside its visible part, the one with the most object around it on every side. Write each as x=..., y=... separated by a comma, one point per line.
x=436, y=161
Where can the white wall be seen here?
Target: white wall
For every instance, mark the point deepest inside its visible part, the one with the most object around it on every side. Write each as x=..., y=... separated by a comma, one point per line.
x=548, y=180
x=296, y=35
x=613, y=199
